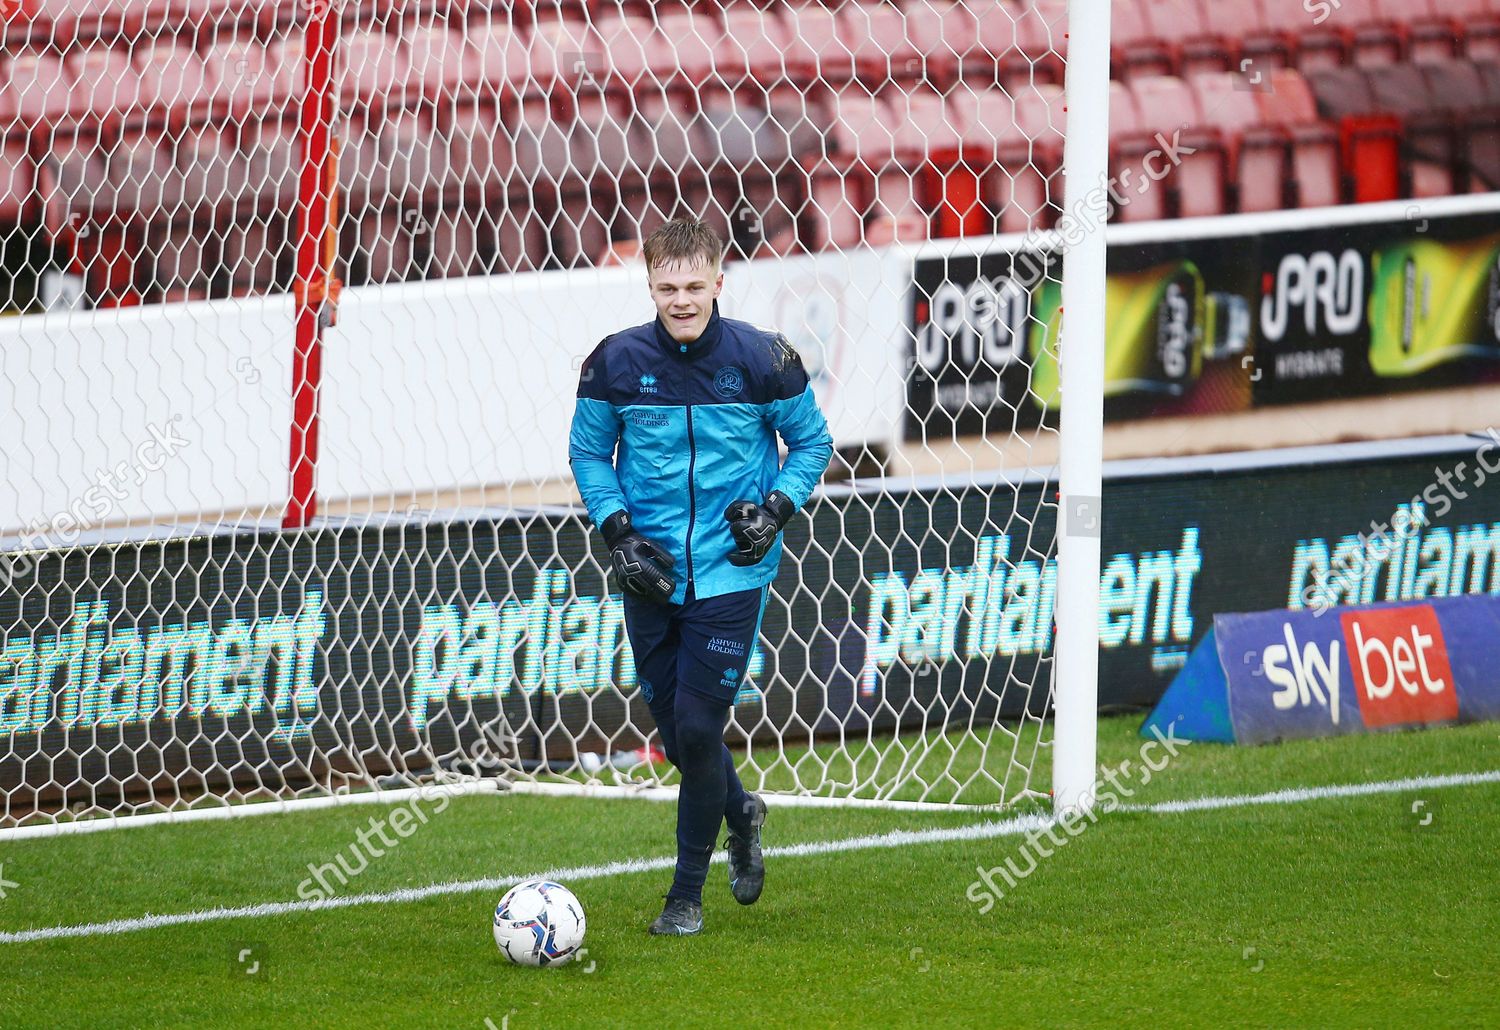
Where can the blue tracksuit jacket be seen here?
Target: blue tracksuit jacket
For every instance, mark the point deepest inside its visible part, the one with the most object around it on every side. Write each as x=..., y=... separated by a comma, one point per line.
x=695, y=425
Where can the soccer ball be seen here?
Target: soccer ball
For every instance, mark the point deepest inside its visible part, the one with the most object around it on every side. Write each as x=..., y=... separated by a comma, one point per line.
x=539, y=923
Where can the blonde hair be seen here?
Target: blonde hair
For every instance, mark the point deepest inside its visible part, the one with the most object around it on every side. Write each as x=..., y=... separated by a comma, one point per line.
x=683, y=240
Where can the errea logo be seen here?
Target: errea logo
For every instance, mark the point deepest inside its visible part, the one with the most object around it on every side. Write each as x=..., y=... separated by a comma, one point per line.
x=648, y=383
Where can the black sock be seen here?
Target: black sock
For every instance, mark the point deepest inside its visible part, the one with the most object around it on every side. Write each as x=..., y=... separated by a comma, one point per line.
x=738, y=808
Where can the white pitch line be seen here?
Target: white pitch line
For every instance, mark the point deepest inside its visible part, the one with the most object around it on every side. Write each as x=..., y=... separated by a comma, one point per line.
x=1296, y=795
x=895, y=839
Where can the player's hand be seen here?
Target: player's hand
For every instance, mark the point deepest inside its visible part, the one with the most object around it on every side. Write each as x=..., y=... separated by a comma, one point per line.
x=755, y=526
x=643, y=567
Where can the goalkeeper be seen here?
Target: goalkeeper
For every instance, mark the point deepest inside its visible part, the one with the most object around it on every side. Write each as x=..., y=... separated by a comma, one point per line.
x=673, y=445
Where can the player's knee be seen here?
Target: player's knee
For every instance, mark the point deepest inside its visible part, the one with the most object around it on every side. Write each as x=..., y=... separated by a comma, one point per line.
x=700, y=738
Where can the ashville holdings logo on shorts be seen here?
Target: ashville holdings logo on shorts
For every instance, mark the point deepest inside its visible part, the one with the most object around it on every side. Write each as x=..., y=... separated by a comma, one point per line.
x=723, y=645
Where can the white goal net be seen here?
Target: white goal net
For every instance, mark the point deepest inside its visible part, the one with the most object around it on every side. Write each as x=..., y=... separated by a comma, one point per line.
x=296, y=297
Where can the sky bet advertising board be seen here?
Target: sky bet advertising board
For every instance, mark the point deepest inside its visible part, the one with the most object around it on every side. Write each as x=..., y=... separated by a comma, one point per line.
x=252, y=654
x=1267, y=676
x=1216, y=324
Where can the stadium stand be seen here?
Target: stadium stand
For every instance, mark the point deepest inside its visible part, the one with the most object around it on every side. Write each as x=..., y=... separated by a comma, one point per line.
x=526, y=136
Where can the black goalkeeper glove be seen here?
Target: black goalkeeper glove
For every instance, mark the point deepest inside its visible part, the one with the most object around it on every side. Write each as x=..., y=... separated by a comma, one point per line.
x=755, y=526
x=642, y=566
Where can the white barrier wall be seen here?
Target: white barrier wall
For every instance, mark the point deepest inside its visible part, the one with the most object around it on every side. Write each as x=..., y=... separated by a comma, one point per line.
x=168, y=412
x=143, y=413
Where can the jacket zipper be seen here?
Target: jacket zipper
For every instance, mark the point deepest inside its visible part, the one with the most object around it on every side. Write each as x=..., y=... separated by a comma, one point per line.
x=692, y=495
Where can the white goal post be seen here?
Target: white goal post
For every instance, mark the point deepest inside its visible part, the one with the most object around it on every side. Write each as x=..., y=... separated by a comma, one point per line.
x=1086, y=160
x=299, y=297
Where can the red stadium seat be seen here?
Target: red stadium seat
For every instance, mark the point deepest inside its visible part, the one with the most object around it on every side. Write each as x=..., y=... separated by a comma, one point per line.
x=564, y=50
x=1185, y=28
x=883, y=48
x=173, y=77
x=908, y=157
x=1318, y=36
x=441, y=61
x=1467, y=27
x=754, y=43
x=835, y=209
x=1124, y=115
x=543, y=154
x=985, y=121
x=1429, y=139
x=212, y=171
x=1380, y=29
x=942, y=33
x=601, y=135
x=38, y=88
x=143, y=176
x=1017, y=145
x=862, y=129
x=62, y=17
x=269, y=149
x=17, y=180
x=73, y=178
x=685, y=44
x=247, y=77
x=1259, y=156
x=500, y=64
x=1126, y=126
x=105, y=84
x=818, y=50
x=1137, y=49
x=923, y=129
x=1247, y=39
x=1290, y=105
x=480, y=154
x=1195, y=186
x=374, y=69
x=1031, y=192
x=663, y=139
x=1029, y=40
x=630, y=49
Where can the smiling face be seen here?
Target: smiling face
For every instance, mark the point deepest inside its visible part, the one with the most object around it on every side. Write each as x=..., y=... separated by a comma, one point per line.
x=684, y=294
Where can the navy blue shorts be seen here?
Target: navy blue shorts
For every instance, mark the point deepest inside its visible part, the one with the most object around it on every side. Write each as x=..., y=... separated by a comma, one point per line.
x=701, y=646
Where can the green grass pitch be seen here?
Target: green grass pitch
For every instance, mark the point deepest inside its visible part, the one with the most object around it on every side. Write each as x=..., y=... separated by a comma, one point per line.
x=1340, y=911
